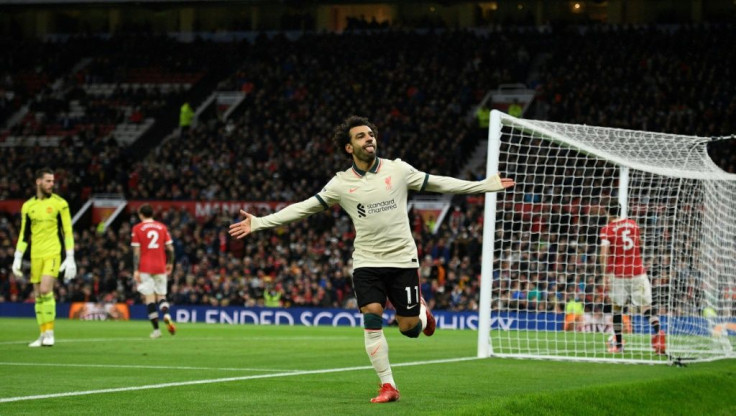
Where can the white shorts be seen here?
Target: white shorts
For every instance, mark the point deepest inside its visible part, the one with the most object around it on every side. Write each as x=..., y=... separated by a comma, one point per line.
x=637, y=287
x=152, y=284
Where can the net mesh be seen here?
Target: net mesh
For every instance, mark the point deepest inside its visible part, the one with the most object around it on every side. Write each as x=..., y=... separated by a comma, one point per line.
x=546, y=243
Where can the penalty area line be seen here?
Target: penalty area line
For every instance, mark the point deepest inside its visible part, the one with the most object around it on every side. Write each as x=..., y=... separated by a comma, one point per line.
x=224, y=380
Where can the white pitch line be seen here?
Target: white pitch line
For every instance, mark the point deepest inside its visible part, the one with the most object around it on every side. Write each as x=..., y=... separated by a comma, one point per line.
x=223, y=380
x=69, y=341
x=148, y=367
x=179, y=339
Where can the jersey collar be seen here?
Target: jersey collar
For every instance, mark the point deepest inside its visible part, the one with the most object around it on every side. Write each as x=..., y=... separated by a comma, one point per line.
x=374, y=169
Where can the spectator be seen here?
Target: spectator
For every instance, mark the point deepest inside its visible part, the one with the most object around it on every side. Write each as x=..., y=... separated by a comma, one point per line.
x=574, y=312
x=186, y=115
x=515, y=109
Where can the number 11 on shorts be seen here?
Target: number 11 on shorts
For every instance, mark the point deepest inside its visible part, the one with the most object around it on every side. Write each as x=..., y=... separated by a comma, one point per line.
x=408, y=295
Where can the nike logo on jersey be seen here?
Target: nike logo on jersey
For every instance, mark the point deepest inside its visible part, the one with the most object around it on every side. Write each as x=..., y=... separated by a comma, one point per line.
x=351, y=190
x=412, y=306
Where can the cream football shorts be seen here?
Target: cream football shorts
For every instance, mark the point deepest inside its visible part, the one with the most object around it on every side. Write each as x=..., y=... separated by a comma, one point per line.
x=637, y=288
x=152, y=284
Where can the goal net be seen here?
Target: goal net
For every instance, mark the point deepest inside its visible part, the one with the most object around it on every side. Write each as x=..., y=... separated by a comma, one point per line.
x=541, y=243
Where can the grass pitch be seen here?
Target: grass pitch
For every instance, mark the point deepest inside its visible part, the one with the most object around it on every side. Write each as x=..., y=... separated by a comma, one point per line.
x=113, y=368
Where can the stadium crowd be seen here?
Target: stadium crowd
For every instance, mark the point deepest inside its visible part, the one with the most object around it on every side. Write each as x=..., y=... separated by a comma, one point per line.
x=419, y=89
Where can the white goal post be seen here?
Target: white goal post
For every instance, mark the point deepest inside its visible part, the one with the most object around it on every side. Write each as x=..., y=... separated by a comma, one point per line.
x=541, y=242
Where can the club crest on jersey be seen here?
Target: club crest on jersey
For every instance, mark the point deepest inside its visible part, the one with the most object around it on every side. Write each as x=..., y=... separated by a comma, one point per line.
x=388, y=183
x=49, y=210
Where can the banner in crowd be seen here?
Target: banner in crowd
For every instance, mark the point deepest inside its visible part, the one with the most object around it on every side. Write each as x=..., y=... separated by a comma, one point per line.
x=432, y=212
x=506, y=321
x=597, y=323
x=11, y=205
x=445, y=319
x=102, y=209
x=200, y=210
x=305, y=316
x=91, y=311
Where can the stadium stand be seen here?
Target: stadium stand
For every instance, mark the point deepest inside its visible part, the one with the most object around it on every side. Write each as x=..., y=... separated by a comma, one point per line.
x=419, y=87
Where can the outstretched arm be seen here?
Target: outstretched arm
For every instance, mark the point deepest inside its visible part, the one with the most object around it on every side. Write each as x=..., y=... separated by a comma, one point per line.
x=289, y=214
x=242, y=228
x=446, y=184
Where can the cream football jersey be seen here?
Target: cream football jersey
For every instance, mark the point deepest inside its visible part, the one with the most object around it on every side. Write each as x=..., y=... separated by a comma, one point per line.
x=376, y=201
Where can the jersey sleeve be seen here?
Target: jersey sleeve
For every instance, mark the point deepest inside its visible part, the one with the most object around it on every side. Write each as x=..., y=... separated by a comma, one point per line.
x=449, y=185
x=605, y=236
x=168, y=239
x=289, y=214
x=24, y=230
x=416, y=180
x=66, y=226
x=330, y=194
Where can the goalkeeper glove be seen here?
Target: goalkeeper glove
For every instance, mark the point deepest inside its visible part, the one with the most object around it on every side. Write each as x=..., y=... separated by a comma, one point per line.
x=69, y=267
x=17, y=263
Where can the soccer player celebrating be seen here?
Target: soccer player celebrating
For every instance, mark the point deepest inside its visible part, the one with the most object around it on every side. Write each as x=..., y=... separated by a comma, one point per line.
x=153, y=260
x=43, y=219
x=625, y=276
x=374, y=193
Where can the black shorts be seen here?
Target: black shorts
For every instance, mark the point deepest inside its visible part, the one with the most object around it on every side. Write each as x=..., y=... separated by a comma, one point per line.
x=400, y=286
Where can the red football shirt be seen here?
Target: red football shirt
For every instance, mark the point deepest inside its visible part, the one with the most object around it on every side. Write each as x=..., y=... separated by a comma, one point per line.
x=624, y=252
x=151, y=236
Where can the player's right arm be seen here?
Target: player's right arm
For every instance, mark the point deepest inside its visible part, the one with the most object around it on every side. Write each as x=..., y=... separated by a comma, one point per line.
x=329, y=196
x=287, y=215
x=136, y=244
x=22, y=244
x=136, y=263
x=24, y=230
x=603, y=257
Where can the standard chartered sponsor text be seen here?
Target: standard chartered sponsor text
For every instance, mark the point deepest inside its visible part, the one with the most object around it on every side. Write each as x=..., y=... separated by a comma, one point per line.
x=382, y=206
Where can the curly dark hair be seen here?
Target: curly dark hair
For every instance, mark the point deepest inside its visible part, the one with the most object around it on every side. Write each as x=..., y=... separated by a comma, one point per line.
x=341, y=134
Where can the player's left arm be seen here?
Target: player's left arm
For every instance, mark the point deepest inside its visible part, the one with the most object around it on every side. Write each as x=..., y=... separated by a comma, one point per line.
x=450, y=185
x=69, y=266
x=421, y=181
x=169, y=257
x=66, y=227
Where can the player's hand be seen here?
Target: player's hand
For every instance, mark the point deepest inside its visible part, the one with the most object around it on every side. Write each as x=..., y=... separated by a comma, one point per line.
x=17, y=264
x=507, y=183
x=69, y=267
x=169, y=268
x=242, y=228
